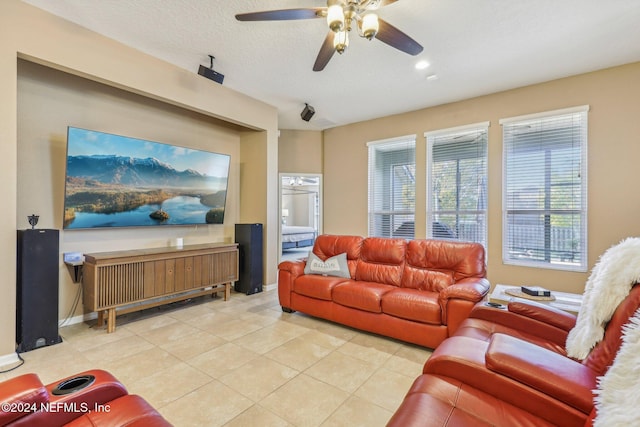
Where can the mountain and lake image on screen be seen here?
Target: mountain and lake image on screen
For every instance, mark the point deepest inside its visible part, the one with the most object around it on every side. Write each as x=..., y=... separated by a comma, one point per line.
x=119, y=181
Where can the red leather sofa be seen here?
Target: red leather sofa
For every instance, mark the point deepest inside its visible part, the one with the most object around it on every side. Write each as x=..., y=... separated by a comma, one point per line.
x=93, y=398
x=506, y=368
x=418, y=291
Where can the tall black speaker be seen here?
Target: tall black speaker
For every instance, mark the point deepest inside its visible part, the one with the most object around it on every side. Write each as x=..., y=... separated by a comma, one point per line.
x=37, y=289
x=249, y=239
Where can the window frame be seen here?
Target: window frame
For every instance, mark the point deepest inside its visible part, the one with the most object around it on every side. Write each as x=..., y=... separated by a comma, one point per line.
x=453, y=132
x=406, y=142
x=547, y=212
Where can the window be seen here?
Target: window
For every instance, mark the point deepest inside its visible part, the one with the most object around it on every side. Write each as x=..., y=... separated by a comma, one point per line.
x=545, y=190
x=457, y=183
x=392, y=187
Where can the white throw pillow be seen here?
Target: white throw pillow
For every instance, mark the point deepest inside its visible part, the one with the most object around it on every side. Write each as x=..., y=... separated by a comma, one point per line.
x=334, y=266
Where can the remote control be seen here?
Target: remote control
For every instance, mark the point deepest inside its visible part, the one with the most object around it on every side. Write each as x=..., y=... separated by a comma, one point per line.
x=494, y=304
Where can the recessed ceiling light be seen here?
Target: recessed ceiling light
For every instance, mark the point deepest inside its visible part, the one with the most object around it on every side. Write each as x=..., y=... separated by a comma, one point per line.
x=432, y=77
x=421, y=65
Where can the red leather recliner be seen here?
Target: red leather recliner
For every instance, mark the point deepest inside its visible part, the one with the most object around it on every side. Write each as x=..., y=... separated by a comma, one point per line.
x=93, y=398
x=499, y=374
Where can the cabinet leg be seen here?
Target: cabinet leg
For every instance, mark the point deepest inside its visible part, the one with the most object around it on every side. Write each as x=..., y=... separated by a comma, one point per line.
x=100, y=318
x=111, y=320
x=227, y=291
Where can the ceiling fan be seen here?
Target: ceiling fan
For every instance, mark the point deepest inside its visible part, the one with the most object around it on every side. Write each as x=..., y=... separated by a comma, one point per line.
x=341, y=15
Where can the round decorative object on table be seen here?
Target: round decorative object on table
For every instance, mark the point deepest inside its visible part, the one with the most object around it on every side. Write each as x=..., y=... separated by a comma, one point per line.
x=516, y=292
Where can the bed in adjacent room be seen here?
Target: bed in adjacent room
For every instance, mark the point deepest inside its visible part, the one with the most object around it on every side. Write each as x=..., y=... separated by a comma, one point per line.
x=295, y=236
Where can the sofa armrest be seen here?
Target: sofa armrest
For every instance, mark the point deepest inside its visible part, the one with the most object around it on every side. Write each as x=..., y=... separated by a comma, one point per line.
x=530, y=318
x=295, y=268
x=288, y=272
x=70, y=397
x=550, y=373
x=21, y=395
x=543, y=313
x=457, y=300
x=471, y=289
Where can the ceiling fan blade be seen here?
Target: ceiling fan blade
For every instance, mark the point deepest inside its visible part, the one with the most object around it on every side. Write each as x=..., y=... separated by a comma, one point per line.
x=392, y=36
x=326, y=52
x=282, y=15
x=383, y=3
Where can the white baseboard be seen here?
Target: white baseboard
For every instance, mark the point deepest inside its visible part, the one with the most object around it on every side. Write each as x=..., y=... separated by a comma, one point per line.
x=270, y=287
x=78, y=319
x=9, y=359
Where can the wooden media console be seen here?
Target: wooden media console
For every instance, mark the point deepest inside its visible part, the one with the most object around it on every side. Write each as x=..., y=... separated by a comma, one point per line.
x=137, y=279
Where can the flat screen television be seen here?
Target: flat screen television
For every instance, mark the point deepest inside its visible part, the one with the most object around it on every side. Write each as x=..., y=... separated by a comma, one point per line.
x=119, y=181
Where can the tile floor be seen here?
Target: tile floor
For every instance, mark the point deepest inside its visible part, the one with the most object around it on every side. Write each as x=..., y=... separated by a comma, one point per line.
x=242, y=362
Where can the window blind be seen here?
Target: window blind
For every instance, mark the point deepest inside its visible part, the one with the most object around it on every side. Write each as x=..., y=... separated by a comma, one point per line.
x=457, y=183
x=392, y=167
x=544, y=190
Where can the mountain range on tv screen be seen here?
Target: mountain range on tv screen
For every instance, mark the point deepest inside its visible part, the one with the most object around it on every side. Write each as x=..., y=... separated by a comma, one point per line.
x=131, y=171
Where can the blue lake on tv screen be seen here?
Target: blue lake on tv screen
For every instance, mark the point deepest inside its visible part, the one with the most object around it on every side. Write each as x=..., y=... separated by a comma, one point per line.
x=182, y=210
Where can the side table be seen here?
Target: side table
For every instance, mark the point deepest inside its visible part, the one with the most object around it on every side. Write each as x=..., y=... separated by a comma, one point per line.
x=563, y=300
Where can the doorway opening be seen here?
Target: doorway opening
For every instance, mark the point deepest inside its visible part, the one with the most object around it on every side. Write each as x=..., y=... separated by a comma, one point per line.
x=301, y=214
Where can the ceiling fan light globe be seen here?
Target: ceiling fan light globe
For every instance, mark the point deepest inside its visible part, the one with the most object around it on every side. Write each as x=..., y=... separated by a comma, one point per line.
x=370, y=25
x=335, y=18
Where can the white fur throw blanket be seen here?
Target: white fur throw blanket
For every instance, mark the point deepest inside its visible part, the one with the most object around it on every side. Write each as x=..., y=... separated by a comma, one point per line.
x=618, y=395
x=609, y=283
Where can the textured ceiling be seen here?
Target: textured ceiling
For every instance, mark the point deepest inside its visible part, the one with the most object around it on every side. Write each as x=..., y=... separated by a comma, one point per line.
x=475, y=47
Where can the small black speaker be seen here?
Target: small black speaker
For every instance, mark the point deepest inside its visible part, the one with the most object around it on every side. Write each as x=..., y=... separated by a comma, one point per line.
x=307, y=112
x=249, y=240
x=210, y=74
x=37, y=289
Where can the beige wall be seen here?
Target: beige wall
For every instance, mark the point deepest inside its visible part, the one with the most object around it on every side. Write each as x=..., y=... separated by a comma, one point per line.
x=300, y=151
x=259, y=188
x=31, y=34
x=48, y=102
x=613, y=153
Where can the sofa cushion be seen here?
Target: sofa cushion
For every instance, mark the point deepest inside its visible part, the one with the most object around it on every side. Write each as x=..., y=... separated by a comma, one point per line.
x=435, y=264
x=334, y=266
x=426, y=280
x=412, y=304
x=438, y=401
x=482, y=329
x=361, y=295
x=547, y=372
x=328, y=245
x=316, y=286
x=381, y=260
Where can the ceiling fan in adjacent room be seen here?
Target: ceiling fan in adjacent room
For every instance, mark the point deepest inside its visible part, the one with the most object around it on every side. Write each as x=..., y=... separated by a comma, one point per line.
x=341, y=16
